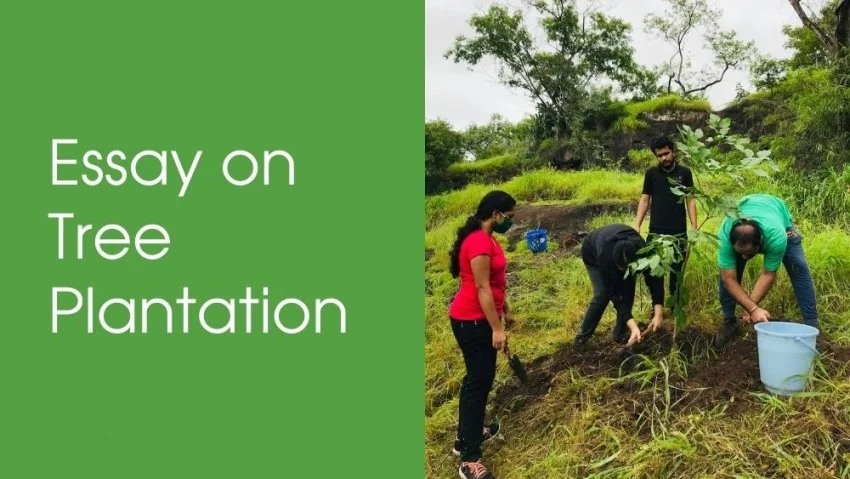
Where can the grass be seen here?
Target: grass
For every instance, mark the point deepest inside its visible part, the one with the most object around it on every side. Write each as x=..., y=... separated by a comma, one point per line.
x=539, y=185
x=573, y=431
x=667, y=102
x=641, y=160
x=490, y=164
x=631, y=121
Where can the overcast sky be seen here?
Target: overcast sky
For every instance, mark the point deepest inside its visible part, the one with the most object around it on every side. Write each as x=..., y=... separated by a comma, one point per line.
x=461, y=96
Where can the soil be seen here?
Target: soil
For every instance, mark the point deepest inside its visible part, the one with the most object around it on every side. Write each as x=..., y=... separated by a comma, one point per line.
x=566, y=225
x=714, y=379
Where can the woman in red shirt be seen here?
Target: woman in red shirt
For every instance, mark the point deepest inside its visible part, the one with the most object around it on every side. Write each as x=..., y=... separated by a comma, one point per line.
x=475, y=314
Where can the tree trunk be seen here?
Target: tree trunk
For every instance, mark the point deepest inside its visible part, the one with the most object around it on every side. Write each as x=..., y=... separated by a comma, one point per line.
x=825, y=38
x=842, y=30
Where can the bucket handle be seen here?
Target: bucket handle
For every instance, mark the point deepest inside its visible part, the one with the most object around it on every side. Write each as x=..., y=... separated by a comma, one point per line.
x=800, y=340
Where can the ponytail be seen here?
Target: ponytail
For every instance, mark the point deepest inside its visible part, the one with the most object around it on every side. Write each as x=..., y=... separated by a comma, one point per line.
x=472, y=224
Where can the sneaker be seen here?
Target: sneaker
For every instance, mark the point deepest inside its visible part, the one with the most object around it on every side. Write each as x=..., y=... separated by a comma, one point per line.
x=726, y=335
x=490, y=432
x=474, y=470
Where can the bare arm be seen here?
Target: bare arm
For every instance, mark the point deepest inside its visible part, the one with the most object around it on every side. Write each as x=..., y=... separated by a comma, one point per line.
x=481, y=273
x=643, y=206
x=735, y=289
x=763, y=285
x=692, y=211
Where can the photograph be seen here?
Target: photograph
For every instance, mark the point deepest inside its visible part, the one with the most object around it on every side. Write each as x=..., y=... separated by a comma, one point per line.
x=637, y=239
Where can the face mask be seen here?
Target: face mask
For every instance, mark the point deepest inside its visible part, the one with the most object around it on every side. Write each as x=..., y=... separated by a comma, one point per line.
x=504, y=226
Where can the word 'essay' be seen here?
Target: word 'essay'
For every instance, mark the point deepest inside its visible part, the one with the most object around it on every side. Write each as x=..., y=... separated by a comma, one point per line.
x=117, y=168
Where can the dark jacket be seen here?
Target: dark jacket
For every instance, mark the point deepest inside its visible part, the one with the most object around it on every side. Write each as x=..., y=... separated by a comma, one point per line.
x=597, y=252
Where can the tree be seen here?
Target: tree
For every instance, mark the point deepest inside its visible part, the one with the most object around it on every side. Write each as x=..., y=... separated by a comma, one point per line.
x=812, y=43
x=833, y=41
x=581, y=51
x=682, y=20
x=443, y=146
x=493, y=138
x=767, y=72
x=721, y=153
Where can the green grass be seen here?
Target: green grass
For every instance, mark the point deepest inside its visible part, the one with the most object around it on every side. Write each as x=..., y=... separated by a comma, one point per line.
x=667, y=102
x=497, y=163
x=628, y=124
x=573, y=432
x=631, y=123
x=538, y=185
x=641, y=160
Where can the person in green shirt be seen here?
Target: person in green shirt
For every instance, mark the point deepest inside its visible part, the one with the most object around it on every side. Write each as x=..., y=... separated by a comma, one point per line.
x=765, y=226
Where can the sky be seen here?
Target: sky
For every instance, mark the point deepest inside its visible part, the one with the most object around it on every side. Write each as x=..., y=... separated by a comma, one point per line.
x=463, y=97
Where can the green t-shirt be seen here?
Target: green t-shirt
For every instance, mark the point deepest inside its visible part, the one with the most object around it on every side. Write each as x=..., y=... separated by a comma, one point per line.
x=773, y=217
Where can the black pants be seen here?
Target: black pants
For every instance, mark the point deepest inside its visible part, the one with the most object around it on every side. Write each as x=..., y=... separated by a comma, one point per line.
x=597, y=306
x=676, y=267
x=475, y=339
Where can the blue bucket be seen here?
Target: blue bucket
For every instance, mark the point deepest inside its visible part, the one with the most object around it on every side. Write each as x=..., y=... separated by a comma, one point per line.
x=786, y=352
x=536, y=240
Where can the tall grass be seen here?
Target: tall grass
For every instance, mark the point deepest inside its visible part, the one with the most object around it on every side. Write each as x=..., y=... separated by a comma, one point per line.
x=538, y=185
x=573, y=432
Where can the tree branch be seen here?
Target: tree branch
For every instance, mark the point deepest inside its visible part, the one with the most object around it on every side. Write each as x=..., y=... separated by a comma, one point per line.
x=711, y=84
x=829, y=42
x=679, y=42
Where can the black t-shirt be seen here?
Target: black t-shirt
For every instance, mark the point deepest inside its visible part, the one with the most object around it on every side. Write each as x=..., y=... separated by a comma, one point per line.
x=667, y=214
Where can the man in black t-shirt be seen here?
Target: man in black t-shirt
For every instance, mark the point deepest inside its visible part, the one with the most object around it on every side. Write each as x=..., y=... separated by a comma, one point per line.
x=667, y=213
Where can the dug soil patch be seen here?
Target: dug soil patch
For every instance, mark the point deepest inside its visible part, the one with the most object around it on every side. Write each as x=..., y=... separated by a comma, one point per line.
x=714, y=379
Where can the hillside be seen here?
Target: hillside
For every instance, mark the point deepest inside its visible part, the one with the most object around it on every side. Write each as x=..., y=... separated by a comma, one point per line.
x=688, y=411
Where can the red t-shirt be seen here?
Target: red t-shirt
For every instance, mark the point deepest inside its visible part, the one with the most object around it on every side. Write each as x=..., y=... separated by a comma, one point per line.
x=465, y=305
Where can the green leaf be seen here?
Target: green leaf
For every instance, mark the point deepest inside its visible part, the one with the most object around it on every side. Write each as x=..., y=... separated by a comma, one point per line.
x=810, y=394
x=761, y=173
x=605, y=461
x=653, y=263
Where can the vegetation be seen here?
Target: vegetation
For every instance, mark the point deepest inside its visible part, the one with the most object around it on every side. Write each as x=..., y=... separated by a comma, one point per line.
x=630, y=120
x=677, y=407
x=676, y=26
x=573, y=431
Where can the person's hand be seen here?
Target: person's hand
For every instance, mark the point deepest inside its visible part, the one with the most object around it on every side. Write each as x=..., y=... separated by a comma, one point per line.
x=635, y=337
x=759, y=316
x=500, y=339
x=746, y=318
x=654, y=325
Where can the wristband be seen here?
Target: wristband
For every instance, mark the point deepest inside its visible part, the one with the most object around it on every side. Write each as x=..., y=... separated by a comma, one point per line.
x=754, y=308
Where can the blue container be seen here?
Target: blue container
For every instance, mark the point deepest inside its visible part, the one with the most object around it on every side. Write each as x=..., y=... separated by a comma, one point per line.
x=786, y=352
x=537, y=240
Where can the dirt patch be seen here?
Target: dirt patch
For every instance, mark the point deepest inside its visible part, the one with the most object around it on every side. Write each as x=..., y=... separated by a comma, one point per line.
x=726, y=380
x=713, y=378
x=837, y=357
x=567, y=225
